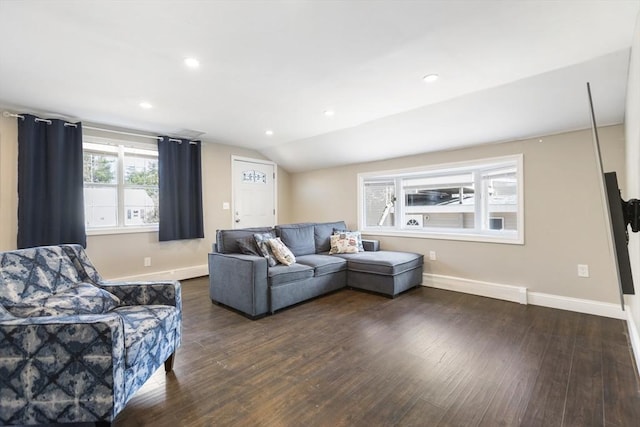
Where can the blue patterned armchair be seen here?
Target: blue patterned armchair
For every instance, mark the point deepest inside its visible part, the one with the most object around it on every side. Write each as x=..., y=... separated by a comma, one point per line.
x=74, y=348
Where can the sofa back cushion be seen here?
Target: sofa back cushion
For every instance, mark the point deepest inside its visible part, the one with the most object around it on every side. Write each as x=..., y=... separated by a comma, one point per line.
x=323, y=232
x=226, y=240
x=35, y=273
x=298, y=238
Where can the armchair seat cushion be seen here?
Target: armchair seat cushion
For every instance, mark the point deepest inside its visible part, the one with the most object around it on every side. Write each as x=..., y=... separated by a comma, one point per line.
x=83, y=298
x=148, y=330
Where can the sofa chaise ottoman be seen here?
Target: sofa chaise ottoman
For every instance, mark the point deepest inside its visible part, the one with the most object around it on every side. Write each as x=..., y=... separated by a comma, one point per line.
x=245, y=281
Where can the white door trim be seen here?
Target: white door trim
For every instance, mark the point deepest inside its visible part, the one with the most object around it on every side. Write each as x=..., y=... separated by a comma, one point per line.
x=233, y=190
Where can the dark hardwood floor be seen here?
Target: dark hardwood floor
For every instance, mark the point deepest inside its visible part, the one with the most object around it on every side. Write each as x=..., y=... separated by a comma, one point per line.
x=427, y=358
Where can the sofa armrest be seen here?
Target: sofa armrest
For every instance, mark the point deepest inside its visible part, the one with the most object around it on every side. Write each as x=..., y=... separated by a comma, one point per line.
x=239, y=281
x=168, y=292
x=371, y=245
x=48, y=363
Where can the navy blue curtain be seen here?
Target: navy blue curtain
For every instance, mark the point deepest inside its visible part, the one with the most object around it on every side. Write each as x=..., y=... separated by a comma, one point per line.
x=180, y=186
x=50, y=183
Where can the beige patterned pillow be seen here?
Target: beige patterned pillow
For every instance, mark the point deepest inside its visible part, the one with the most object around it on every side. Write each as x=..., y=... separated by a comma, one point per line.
x=281, y=251
x=344, y=243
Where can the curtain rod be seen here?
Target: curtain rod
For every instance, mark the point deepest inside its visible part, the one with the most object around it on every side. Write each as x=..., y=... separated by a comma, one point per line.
x=139, y=135
x=38, y=119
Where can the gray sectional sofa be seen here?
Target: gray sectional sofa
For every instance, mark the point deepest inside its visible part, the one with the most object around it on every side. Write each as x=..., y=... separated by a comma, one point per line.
x=246, y=282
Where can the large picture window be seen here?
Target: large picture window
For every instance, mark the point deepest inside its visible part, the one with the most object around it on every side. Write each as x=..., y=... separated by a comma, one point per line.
x=120, y=185
x=480, y=200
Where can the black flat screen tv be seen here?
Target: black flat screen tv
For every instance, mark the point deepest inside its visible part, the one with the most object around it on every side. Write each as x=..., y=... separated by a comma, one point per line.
x=614, y=215
x=619, y=232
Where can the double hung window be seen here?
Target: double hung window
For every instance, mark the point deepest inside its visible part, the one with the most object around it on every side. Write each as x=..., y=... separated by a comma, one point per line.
x=480, y=200
x=120, y=186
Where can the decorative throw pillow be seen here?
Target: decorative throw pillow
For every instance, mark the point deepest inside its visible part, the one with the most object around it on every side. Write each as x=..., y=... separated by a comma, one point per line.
x=248, y=246
x=344, y=243
x=357, y=234
x=262, y=240
x=281, y=251
x=81, y=299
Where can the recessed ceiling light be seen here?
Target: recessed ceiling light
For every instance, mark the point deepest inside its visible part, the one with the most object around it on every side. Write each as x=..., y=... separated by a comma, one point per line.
x=430, y=78
x=191, y=62
x=329, y=113
x=145, y=105
x=268, y=132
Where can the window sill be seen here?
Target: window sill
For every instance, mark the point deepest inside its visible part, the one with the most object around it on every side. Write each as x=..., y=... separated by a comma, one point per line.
x=512, y=238
x=121, y=230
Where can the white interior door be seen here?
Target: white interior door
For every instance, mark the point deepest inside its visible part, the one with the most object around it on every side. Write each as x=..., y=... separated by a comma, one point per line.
x=254, y=197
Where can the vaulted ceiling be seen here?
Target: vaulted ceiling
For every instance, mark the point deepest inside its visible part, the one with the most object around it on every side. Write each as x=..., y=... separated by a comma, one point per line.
x=507, y=70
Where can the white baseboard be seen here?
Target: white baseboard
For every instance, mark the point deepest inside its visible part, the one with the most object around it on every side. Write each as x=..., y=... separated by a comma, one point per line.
x=175, y=274
x=476, y=287
x=521, y=295
x=634, y=337
x=604, y=309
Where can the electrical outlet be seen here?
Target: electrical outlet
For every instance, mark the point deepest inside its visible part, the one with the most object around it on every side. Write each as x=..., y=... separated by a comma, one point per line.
x=225, y=206
x=432, y=255
x=147, y=261
x=583, y=270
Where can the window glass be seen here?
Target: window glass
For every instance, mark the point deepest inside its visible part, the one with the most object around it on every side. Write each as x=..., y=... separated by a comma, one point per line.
x=379, y=203
x=501, y=187
x=140, y=170
x=100, y=168
x=141, y=205
x=100, y=206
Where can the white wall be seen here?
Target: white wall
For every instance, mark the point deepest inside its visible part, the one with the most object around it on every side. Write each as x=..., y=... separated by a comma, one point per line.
x=8, y=183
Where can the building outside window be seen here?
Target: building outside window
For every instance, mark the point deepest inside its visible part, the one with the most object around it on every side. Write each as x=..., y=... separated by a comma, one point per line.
x=480, y=200
x=120, y=185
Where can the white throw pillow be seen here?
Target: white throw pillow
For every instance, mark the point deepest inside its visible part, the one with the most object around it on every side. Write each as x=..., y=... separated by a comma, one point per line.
x=344, y=243
x=281, y=251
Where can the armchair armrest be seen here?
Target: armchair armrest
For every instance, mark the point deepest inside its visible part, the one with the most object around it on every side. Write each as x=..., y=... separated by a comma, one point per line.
x=146, y=293
x=371, y=245
x=47, y=363
x=4, y=314
x=239, y=281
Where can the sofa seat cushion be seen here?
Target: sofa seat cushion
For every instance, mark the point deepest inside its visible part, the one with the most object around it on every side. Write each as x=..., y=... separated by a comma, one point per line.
x=289, y=273
x=82, y=298
x=387, y=263
x=147, y=330
x=323, y=264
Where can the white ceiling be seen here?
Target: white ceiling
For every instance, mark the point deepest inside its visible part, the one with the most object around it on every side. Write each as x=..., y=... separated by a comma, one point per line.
x=509, y=70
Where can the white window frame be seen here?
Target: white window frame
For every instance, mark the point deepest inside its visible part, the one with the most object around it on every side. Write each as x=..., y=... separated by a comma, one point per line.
x=476, y=234
x=118, y=147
